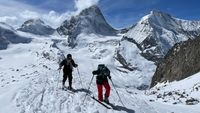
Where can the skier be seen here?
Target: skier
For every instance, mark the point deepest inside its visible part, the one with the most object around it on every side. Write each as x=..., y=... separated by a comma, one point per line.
x=68, y=64
x=101, y=80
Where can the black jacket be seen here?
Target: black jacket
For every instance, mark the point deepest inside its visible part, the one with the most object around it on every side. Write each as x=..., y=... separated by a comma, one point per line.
x=68, y=65
x=100, y=79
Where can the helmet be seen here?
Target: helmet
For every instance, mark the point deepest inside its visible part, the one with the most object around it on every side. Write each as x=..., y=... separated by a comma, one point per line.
x=69, y=56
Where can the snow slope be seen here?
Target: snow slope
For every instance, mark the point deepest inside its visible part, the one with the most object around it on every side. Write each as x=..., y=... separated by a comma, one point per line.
x=183, y=94
x=30, y=81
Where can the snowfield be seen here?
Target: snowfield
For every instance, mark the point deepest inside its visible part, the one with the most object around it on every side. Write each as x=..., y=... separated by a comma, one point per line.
x=31, y=83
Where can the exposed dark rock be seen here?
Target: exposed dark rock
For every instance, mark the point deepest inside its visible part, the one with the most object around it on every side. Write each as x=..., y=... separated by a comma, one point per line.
x=192, y=101
x=148, y=54
x=3, y=43
x=182, y=61
x=143, y=87
x=123, y=62
x=125, y=30
x=151, y=100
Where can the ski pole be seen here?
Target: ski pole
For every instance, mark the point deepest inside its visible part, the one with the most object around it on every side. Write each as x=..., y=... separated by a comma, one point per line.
x=79, y=77
x=88, y=89
x=117, y=93
x=58, y=78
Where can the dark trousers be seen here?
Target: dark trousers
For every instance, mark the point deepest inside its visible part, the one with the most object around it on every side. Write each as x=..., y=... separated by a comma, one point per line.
x=69, y=76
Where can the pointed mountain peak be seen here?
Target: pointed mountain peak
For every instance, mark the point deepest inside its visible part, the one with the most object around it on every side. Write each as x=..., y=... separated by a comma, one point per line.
x=158, y=13
x=91, y=10
x=89, y=20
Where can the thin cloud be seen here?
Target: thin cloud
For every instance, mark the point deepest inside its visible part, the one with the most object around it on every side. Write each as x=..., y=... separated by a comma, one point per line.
x=16, y=13
x=82, y=4
x=11, y=7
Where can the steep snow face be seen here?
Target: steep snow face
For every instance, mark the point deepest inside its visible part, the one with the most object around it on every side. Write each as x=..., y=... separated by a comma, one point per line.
x=9, y=35
x=90, y=20
x=157, y=32
x=131, y=62
x=36, y=26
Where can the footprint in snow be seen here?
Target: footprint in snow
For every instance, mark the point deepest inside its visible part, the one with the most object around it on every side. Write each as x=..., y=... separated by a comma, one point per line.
x=18, y=105
x=96, y=111
x=77, y=109
x=22, y=75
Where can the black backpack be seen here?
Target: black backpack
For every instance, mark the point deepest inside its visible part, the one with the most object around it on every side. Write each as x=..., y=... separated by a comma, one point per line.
x=68, y=64
x=103, y=70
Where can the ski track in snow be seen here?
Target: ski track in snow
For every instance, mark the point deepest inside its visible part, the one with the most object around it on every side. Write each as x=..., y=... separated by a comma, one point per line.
x=34, y=83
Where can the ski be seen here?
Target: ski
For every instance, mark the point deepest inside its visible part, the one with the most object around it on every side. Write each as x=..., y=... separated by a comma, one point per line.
x=103, y=104
x=70, y=91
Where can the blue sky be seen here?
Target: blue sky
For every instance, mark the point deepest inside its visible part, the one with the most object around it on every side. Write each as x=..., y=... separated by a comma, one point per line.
x=122, y=13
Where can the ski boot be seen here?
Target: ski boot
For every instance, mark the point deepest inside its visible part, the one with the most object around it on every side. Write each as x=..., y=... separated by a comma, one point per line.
x=64, y=87
x=106, y=100
x=70, y=88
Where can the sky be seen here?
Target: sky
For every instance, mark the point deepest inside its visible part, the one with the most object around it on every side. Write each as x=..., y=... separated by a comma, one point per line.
x=118, y=13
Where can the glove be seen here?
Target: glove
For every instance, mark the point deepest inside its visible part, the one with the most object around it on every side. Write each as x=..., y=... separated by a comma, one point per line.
x=109, y=77
x=93, y=72
x=76, y=65
x=59, y=68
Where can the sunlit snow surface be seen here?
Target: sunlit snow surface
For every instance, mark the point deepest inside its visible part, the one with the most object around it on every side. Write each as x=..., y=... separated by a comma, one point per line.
x=31, y=83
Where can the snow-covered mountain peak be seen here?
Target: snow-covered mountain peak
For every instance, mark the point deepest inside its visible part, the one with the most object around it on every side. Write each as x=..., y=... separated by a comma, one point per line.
x=36, y=26
x=89, y=20
x=159, y=13
x=158, y=18
x=157, y=32
x=155, y=14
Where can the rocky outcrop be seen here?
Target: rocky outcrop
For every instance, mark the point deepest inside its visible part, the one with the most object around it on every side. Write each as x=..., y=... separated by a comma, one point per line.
x=182, y=61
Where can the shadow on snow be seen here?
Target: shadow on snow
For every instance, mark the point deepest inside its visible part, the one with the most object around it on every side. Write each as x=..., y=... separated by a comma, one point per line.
x=121, y=108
